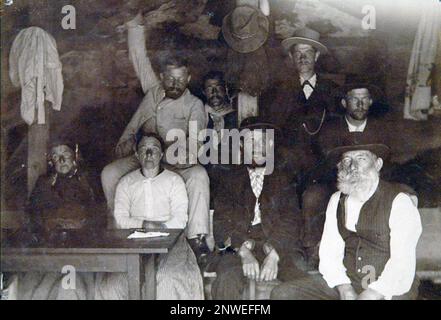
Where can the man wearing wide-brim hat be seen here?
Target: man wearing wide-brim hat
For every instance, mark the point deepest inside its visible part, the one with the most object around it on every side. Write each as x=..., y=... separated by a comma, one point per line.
x=302, y=104
x=367, y=250
x=301, y=107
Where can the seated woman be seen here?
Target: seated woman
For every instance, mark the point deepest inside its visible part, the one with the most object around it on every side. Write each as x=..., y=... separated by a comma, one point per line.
x=64, y=198
x=153, y=197
x=61, y=200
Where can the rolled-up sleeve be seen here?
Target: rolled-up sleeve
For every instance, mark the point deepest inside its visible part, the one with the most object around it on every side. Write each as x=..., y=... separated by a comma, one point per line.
x=179, y=205
x=332, y=248
x=121, y=211
x=405, y=229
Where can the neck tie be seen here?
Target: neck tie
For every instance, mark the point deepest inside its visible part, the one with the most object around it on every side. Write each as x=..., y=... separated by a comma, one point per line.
x=256, y=180
x=307, y=88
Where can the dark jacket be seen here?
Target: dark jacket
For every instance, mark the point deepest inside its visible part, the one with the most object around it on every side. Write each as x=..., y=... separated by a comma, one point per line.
x=234, y=203
x=287, y=106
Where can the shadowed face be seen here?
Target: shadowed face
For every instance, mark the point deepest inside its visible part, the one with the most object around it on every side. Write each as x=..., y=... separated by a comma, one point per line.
x=175, y=80
x=357, y=103
x=215, y=93
x=149, y=152
x=254, y=147
x=63, y=159
x=304, y=57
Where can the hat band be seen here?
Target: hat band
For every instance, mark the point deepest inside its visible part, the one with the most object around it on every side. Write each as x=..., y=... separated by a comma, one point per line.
x=241, y=37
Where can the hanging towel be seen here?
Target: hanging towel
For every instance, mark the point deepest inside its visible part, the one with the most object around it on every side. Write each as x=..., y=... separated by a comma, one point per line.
x=34, y=65
x=422, y=62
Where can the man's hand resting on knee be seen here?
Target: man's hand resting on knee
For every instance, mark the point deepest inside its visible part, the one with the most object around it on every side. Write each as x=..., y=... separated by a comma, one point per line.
x=250, y=265
x=270, y=267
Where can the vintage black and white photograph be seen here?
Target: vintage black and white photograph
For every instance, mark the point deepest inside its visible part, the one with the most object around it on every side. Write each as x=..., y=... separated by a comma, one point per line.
x=248, y=150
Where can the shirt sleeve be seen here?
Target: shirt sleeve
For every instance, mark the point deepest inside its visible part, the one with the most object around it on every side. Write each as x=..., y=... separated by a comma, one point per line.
x=122, y=208
x=139, y=58
x=405, y=230
x=179, y=205
x=198, y=116
x=332, y=248
x=127, y=140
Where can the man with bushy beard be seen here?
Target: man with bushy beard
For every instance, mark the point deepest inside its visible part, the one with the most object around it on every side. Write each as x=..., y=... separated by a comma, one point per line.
x=367, y=250
x=168, y=106
x=353, y=127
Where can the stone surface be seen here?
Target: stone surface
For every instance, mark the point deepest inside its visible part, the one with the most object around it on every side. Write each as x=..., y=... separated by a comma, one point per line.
x=101, y=88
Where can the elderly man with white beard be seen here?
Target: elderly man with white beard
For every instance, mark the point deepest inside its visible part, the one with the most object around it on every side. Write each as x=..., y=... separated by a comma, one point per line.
x=367, y=250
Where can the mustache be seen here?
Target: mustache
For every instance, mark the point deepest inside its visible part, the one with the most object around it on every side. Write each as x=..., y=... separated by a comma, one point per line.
x=349, y=182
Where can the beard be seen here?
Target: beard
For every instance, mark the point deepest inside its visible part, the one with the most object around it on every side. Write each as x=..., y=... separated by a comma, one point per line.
x=359, y=115
x=216, y=101
x=356, y=182
x=174, y=92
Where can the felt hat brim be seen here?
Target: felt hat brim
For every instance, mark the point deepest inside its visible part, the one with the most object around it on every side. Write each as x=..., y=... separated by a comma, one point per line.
x=249, y=44
x=380, y=150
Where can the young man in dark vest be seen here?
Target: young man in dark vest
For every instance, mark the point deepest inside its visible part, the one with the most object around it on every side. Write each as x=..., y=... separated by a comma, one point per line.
x=367, y=250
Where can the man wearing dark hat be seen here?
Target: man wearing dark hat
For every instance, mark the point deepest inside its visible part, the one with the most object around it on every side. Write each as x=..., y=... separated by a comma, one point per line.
x=367, y=250
x=255, y=216
x=357, y=97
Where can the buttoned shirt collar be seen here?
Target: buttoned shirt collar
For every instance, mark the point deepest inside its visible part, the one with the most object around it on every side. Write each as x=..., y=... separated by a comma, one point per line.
x=312, y=80
x=353, y=128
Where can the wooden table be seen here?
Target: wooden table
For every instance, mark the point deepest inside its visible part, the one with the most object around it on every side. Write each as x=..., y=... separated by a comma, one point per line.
x=106, y=251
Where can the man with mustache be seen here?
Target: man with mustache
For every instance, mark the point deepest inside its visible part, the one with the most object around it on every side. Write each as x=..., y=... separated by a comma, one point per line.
x=357, y=97
x=367, y=250
x=301, y=108
x=220, y=112
x=257, y=222
x=168, y=105
x=301, y=105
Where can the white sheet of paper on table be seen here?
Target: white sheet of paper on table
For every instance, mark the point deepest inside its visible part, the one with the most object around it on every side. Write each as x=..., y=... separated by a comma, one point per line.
x=151, y=234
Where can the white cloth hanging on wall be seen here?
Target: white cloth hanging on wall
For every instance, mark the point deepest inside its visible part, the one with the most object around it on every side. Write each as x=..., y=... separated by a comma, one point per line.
x=34, y=65
x=422, y=62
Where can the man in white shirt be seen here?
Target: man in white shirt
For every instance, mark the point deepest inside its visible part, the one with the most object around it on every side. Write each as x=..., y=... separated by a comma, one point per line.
x=367, y=250
x=356, y=97
x=168, y=106
x=153, y=197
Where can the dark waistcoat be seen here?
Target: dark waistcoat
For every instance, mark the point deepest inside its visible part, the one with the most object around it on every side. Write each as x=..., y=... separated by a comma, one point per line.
x=370, y=244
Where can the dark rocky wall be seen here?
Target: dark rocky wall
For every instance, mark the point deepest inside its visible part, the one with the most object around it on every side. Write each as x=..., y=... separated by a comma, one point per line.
x=101, y=89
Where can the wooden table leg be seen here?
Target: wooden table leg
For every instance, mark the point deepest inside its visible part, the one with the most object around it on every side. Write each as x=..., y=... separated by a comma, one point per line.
x=151, y=277
x=134, y=276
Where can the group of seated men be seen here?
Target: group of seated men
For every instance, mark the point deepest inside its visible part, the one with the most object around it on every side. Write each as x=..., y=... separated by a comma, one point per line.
x=306, y=191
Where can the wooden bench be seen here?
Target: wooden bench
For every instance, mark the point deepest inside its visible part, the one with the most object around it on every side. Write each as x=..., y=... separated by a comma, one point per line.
x=428, y=258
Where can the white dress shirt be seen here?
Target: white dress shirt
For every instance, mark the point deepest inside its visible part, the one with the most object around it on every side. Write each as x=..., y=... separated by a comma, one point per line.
x=307, y=90
x=399, y=271
x=353, y=128
x=159, y=199
x=257, y=176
